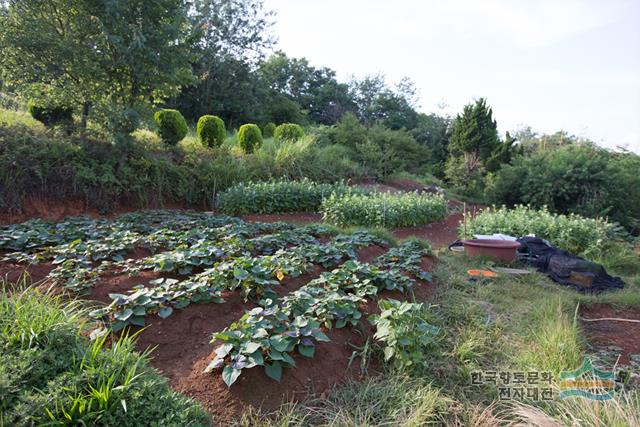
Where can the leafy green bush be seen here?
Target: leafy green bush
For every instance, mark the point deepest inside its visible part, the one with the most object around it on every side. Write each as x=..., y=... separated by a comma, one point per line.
x=570, y=232
x=211, y=131
x=268, y=130
x=53, y=375
x=249, y=137
x=384, y=210
x=278, y=197
x=288, y=132
x=580, y=179
x=403, y=329
x=172, y=127
x=50, y=115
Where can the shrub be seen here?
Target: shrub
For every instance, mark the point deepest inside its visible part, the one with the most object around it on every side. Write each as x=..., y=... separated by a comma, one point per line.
x=384, y=210
x=288, y=132
x=581, y=179
x=249, y=137
x=570, y=232
x=278, y=197
x=211, y=131
x=50, y=115
x=268, y=130
x=172, y=126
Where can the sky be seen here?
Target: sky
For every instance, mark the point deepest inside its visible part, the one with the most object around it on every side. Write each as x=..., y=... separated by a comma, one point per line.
x=550, y=64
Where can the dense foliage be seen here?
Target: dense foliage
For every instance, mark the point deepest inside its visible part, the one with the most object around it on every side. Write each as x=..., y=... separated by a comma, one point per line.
x=249, y=137
x=279, y=197
x=288, y=132
x=581, y=179
x=109, y=60
x=211, y=131
x=52, y=373
x=50, y=115
x=268, y=130
x=571, y=232
x=475, y=148
x=172, y=127
x=384, y=210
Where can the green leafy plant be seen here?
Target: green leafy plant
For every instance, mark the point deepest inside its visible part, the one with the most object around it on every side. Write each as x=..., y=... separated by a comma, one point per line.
x=288, y=132
x=279, y=196
x=172, y=126
x=404, y=331
x=50, y=115
x=383, y=210
x=570, y=232
x=264, y=337
x=249, y=137
x=211, y=131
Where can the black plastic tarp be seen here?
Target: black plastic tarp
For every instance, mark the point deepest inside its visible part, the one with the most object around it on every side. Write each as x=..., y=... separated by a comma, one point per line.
x=566, y=268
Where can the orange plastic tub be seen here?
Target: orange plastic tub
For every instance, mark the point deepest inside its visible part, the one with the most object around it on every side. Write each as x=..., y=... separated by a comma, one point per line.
x=502, y=250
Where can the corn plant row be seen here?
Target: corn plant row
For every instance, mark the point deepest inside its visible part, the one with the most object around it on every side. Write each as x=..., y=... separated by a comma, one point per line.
x=279, y=197
x=269, y=335
x=570, y=232
x=253, y=276
x=384, y=210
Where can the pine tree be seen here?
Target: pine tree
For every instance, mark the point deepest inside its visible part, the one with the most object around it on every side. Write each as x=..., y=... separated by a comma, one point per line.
x=474, y=140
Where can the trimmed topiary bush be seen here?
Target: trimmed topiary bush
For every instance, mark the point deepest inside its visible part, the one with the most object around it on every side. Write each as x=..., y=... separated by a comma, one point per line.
x=211, y=131
x=268, y=130
x=288, y=132
x=172, y=127
x=50, y=115
x=249, y=137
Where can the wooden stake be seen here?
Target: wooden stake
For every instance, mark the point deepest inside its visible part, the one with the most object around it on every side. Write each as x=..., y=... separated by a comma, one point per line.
x=464, y=216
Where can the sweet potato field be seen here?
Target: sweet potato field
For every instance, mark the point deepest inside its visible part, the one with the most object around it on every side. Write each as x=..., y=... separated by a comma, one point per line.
x=174, y=260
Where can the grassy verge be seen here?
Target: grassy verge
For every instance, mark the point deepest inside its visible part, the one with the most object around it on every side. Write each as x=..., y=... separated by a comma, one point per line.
x=51, y=374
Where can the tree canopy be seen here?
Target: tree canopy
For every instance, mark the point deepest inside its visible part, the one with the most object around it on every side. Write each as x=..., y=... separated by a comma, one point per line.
x=112, y=59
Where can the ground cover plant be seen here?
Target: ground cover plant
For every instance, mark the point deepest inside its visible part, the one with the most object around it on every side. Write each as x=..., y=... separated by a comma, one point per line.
x=384, y=210
x=279, y=197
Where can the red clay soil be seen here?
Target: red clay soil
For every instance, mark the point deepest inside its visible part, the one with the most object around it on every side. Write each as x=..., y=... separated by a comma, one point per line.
x=439, y=234
x=603, y=334
x=56, y=210
x=12, y=272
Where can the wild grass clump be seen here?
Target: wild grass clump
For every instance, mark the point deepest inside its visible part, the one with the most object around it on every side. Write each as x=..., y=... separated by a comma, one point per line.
x=570, y=232
x=384, y=210
x=51, y=374
x=278, y=197
x=390, y=401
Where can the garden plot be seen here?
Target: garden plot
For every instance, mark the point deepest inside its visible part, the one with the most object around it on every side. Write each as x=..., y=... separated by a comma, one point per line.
x=268, y=309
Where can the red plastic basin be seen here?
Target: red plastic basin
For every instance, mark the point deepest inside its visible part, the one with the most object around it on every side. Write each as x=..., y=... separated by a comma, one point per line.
x=503, y=250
